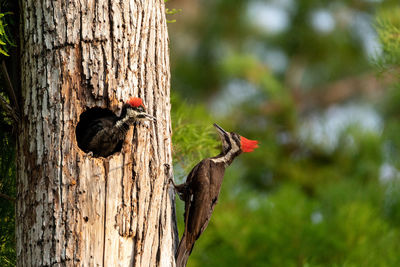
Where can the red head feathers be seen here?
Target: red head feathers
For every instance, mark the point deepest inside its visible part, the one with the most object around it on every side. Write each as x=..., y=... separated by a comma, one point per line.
x=248, y=145
x=135, y=102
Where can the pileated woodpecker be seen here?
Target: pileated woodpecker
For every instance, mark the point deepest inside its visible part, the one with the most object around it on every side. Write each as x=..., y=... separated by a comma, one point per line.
x=102, y=132
x=201, y=189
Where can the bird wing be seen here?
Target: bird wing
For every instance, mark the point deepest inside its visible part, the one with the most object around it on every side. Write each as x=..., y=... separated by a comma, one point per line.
x=188, y=194
x=192, y=173
x=203, y=185
x=199, y=206
x=195, y=218
x=216, y=177
x=98, y=129
x=88, y=121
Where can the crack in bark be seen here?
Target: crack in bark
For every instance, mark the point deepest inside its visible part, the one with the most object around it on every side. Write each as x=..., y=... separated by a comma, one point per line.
x=110, y=13
x=106, y=171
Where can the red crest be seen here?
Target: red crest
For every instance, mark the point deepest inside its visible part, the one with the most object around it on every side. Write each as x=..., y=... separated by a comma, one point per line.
x=248, y=145
x=135, y=102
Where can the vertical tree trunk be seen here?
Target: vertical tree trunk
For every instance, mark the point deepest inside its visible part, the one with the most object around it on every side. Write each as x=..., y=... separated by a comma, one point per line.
x=74, y=210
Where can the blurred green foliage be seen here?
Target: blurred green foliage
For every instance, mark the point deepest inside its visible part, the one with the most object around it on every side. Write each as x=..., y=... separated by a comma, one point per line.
x=192, y=141
x=388, y=27
x=5, y=39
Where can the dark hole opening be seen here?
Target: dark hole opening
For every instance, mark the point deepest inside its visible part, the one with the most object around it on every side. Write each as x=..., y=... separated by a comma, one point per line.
x=91, y=122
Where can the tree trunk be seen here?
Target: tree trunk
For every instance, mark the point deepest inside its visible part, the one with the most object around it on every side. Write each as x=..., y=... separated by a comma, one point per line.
x=72, y=209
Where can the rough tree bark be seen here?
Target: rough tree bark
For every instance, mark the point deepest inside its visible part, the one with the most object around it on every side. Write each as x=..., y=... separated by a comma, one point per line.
x=74, y=210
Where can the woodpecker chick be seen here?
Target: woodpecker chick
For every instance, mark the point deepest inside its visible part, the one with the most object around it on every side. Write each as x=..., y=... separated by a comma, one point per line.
x=201, y=189
x=101, y=132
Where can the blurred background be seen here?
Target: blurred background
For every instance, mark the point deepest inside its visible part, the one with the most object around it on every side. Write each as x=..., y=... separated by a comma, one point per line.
x=317, y=83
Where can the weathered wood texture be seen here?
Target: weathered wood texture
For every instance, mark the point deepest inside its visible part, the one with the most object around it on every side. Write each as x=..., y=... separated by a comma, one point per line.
x=74, y=210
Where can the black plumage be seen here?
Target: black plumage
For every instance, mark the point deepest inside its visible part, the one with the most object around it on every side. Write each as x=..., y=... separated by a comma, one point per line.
x=201, y=190
x=200, y=194
x=102, y=133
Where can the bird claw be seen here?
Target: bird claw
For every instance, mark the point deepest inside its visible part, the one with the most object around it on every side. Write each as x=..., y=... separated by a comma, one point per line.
x=171, y=181
x=167, y=170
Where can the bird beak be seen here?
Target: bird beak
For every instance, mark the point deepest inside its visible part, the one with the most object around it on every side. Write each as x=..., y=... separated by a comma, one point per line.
x=145, y=116
x=221, y=132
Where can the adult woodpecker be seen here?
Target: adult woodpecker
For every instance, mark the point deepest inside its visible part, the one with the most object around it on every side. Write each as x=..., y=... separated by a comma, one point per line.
x=102, y=132
x=201, y=189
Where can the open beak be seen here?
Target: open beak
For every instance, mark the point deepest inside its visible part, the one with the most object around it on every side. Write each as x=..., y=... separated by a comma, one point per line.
x=145, y=116
x=221, y=132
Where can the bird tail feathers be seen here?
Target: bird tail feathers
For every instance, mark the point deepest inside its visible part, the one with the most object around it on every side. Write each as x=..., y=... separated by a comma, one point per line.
x=183, y=252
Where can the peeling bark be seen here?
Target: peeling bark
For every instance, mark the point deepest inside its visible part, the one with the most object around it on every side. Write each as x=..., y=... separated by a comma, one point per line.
x=74, y=210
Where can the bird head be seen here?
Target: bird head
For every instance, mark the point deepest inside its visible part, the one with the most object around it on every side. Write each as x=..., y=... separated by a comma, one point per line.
x=234, y=142
x=135, y=109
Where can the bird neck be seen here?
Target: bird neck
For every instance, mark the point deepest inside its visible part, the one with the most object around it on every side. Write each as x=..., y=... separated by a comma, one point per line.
x=123, y=121
x=226, y=157
x=124, y=112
